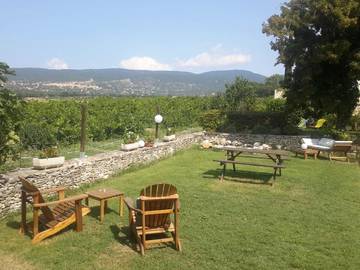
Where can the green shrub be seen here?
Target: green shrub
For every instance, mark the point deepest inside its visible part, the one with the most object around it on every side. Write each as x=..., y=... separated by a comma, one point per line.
x=275, y=105
x=37, y=136
x=355, y=122
x=11, y=109
x=49, y=152
x=262, y=121
x=211, y=120
x=340, y=135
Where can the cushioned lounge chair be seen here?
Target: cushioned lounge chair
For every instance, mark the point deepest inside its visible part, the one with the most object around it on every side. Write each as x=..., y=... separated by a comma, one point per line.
x=329, y=146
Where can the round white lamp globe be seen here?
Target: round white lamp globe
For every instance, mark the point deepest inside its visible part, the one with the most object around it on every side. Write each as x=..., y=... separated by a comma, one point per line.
x=141, y=143
x=304, y=146
x=158, y=119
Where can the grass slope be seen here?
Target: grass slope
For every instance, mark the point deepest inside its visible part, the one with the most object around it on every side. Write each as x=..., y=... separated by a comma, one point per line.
x=308, y=220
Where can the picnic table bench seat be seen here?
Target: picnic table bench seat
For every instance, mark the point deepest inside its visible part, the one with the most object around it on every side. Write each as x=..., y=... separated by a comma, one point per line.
x=275, y=166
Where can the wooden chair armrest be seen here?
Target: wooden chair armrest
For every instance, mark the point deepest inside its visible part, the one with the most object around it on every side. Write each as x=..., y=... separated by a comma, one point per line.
x=130, y=204
x=70, y=199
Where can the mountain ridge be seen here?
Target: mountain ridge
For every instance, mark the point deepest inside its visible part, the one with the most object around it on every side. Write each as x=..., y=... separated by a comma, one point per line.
x=118, y=81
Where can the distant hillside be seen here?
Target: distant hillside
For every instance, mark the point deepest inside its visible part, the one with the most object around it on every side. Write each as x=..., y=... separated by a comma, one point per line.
x=117, y=81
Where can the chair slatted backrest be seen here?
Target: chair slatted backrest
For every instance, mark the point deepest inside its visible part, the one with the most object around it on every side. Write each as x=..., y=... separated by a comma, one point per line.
x=28, y=187
x=158, y=190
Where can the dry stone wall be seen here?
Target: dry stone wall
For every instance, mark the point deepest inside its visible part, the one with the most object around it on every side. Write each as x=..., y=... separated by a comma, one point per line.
x=285, y=141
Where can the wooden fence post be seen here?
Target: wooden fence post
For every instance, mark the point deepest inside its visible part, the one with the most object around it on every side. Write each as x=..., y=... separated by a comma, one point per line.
x=83, y=130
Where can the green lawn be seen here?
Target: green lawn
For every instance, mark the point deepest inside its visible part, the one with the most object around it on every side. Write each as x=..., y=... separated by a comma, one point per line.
x=308, y=220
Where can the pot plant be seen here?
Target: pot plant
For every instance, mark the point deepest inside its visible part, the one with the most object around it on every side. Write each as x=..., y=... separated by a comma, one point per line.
x=170, y=135
x=149, y=139
x=130, y=142
x=48, y=158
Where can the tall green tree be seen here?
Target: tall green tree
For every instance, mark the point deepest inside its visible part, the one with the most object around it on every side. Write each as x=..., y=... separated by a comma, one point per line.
x=319, y=45
x=274, y=81
x=10, y=117
x=240, y=95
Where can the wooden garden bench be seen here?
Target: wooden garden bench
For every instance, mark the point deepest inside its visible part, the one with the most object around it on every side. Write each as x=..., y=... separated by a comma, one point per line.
x=275, y=166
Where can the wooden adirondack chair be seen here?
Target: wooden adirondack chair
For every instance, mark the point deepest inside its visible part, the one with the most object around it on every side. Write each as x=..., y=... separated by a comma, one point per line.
x=152, y=216
x=65, y=211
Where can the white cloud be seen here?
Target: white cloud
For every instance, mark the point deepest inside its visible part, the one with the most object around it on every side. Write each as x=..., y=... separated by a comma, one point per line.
x=216, y=57
x=145, y=63
x=57, y=63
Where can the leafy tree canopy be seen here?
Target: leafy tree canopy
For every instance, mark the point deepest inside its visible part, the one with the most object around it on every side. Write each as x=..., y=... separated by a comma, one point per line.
x=10, y=116
x=240, y=95
x=4, y=70
x=274, y=81
x=319, y=44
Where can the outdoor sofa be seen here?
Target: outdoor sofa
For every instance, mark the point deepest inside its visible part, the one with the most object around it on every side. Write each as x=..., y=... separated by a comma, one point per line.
x=328, y=146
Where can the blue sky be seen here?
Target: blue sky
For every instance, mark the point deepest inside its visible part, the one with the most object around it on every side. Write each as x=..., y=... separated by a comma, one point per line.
x=185, y=35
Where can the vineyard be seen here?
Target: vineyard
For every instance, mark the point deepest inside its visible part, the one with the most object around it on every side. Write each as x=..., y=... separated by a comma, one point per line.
x=110, y=121
x=58, y=121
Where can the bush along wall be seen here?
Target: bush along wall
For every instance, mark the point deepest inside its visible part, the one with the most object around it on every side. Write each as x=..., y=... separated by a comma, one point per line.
x=256, y=122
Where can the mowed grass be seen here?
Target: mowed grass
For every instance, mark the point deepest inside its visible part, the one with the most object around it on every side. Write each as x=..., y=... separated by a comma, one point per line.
x=308, y=220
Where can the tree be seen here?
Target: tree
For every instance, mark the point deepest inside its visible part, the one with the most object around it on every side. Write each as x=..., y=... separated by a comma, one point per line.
x=274, y=81
x=10, y=116
x=4, y=71
x=240, y=95
x=319, y=44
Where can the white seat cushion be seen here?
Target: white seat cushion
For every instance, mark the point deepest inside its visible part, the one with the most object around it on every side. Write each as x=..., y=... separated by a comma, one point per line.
x=319, y=147
x=326, y=142
x=309, y=141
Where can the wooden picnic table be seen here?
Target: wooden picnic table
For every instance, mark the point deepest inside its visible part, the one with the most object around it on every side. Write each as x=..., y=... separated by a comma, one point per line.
x=232, y=152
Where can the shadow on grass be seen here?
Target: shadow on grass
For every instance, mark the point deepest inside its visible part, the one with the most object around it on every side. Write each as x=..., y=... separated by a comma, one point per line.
x=125, y=237
x=95, y=211
x=13, y=224
x=248, y=177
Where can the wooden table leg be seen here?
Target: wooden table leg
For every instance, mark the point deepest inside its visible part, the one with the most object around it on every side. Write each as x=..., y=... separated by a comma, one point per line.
x=23, y=226
x=223, y=172
x=102, y=208
x=233, y=159
x=78, y=216
x=87, y=201
x=121, y=205
x=105, y=206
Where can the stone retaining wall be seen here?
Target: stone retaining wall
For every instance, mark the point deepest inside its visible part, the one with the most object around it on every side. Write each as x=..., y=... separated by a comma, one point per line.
x=76, y=172
x=286, y=141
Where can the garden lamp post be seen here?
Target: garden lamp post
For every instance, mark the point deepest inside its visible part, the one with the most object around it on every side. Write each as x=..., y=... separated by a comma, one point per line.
x=158, y=119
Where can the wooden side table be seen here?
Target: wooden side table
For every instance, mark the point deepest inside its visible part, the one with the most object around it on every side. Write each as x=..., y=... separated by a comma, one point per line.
x=306, y=152
x=103, y=195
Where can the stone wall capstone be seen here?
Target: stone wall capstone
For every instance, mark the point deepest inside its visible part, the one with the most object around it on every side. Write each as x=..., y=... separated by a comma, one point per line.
x=76, y=172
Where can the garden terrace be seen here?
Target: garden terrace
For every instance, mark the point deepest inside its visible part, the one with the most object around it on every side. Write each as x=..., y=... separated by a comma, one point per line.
x=307, y=220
